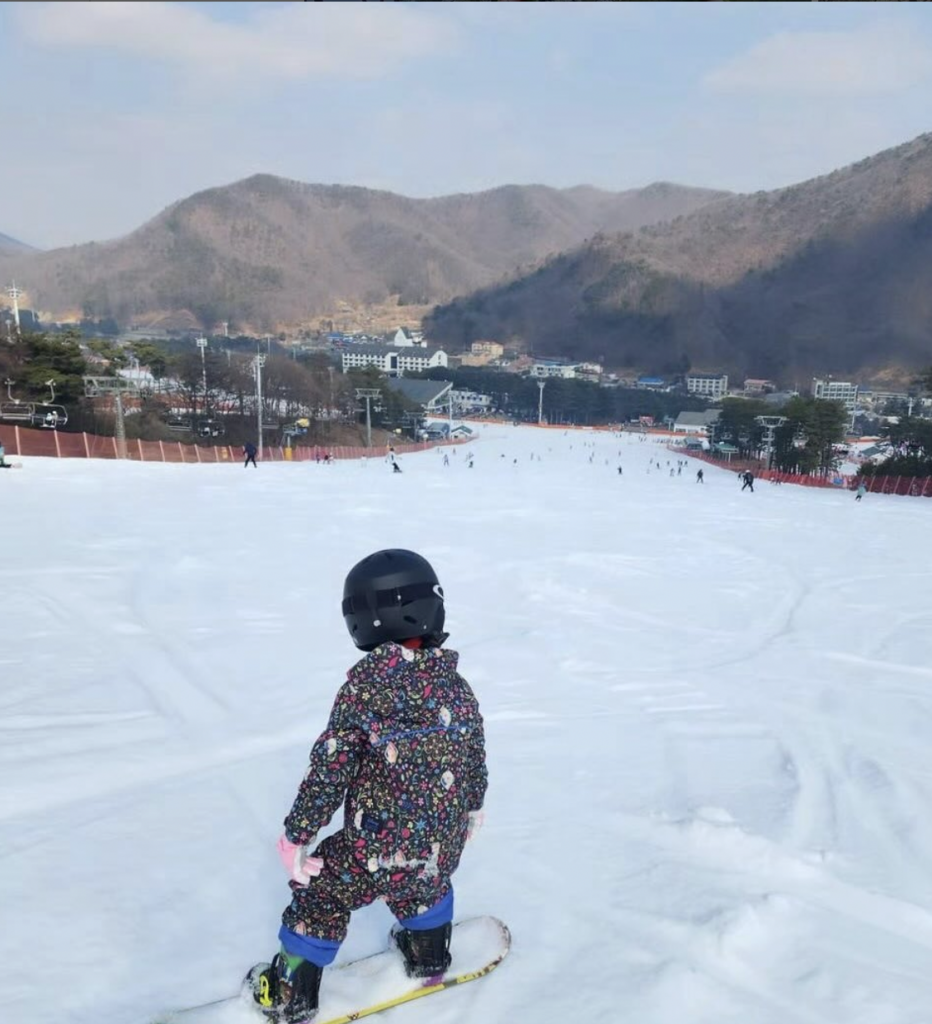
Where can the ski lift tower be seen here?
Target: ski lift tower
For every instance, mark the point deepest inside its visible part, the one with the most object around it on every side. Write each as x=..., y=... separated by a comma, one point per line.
x=97, y=387
x=770, y=425
x=367, y=394
x=540, y=404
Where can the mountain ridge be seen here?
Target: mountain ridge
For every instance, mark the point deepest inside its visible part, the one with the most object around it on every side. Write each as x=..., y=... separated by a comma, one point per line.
x=266, y=251
x=11, y=245
x=826, y=275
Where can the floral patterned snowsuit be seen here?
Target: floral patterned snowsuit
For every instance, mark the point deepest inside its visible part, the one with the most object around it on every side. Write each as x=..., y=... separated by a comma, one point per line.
x=405, y=747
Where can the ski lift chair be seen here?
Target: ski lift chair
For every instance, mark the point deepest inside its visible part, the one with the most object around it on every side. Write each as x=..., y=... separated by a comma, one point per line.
x=50, y=417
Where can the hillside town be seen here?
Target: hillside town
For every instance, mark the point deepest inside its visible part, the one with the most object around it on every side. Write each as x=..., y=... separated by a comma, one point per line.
x=407, y=353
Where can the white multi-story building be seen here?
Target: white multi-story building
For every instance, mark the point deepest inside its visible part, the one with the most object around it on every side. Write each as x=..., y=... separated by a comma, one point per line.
x=708, y=385
x=836, y=391
x=470, y=401
x=552, y=368
x=492, y=349
x=392, y=360
x=589, y=371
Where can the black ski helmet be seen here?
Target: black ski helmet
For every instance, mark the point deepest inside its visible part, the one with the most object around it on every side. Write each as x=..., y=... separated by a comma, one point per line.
x=392, y=595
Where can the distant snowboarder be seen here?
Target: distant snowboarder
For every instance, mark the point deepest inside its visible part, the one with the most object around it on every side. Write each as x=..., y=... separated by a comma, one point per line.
x=3, y=463
x=250, y=451
x=395, y=467
x=862, y=490
x=699, y=477
x=748, y=478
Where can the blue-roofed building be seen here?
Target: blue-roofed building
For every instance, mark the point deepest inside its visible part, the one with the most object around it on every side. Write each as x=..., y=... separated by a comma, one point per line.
x=650, y=383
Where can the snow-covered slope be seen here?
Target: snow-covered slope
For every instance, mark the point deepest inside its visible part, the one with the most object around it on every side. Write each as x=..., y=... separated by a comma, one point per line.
x=707, y=711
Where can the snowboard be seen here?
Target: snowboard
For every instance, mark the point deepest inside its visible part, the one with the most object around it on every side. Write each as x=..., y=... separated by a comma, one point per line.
x=373, y=984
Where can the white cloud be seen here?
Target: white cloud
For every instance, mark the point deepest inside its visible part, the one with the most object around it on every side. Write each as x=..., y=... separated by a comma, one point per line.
x=869, y=60
x=291, y=41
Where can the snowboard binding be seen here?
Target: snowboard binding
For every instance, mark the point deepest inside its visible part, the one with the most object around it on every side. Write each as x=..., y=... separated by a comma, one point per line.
x=286, y=990
x=426, y=952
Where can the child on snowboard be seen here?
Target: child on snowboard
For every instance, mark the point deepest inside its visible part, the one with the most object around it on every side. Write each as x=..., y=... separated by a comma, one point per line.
x=404, y=753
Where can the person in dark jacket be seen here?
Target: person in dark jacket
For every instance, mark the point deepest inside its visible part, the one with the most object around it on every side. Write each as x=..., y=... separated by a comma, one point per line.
x=748, y=479
x=404, y=754
x=251, y=451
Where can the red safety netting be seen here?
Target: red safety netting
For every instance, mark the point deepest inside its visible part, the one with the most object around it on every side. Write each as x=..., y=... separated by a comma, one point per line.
x=57, y=444
x=911, y=486
x=100, y=447
x=39, y=442
x=907, y=486
x=9, y=439
x=72, y=446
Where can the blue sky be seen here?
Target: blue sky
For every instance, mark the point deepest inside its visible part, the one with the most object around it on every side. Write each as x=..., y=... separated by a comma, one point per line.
x=113, y=110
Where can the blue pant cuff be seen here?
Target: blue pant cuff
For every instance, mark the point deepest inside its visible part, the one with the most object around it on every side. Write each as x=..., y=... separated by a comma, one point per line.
x=317, y=951
x=439, y=914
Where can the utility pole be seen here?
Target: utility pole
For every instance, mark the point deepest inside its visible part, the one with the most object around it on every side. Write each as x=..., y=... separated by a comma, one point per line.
x=540, y=405
x=450, y=396
x=367, y=394
x=330, y=406
x=258, y=363
x=202, y=345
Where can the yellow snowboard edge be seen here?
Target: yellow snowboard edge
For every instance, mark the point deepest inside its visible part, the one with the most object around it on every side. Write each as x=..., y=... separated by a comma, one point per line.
x=428, y=990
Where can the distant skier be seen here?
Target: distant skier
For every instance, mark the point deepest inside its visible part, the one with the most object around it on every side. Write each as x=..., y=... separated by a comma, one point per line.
x=862, y=490
x=3, y=463
x=446, y=459
x=748, y=478
x=620, y=471
x=250, y=451
x=404, y=754
x=699, y=477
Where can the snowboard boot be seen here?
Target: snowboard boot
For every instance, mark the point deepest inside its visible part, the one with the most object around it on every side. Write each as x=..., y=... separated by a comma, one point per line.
x=286, y=990
x=427, y=952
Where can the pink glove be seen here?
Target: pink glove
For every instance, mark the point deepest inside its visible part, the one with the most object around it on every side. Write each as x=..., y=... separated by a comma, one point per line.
x=300, y=867
x=476, y=820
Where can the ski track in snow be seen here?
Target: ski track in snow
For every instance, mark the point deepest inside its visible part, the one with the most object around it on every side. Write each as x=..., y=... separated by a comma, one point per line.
x=707, y=719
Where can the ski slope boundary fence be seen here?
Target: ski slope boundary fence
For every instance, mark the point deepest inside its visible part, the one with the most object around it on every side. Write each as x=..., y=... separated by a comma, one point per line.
x=907, y=486
x=23, y=441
